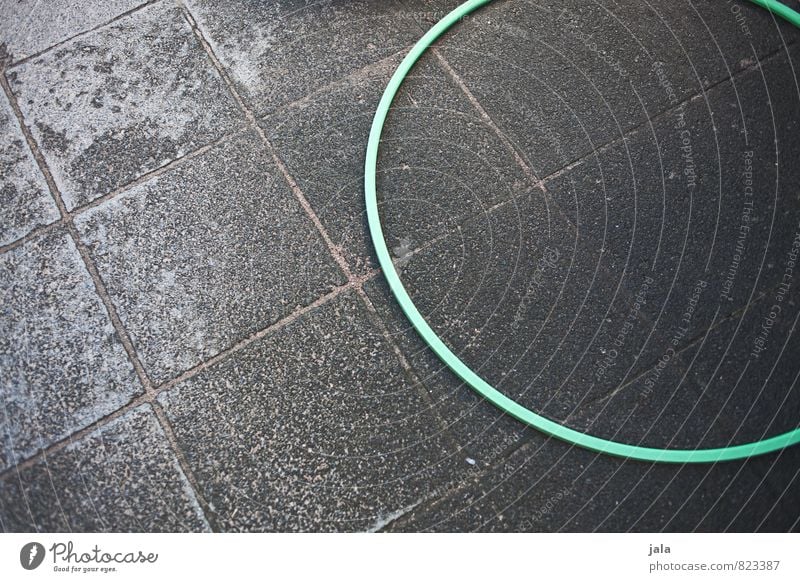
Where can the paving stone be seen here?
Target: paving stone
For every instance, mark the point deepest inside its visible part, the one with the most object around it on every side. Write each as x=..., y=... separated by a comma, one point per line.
x=308, y=44
x=701, y=210
x=665, y=407
x=528, y=306
x=63, y=366
x=207, y=254
x=562, y=79
x=313, y=427
x=481, y=432
x=126, y=99
x=122, y=477
x=29, y=27
x=321, y=140
x=439, y=162
x=25, y=201
x=749, y=370
x=548, y=486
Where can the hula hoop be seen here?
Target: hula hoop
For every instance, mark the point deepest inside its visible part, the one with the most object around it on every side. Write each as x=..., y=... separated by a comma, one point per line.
x=463, y=371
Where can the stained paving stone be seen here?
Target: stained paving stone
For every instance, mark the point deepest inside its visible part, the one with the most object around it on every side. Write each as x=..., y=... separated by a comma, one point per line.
x=439, y=161
x=549, y=486
x=29, y=27
x=25, y=201
x=309, y=44
x=122, y=477
x=313, y=427
x=562, y=79
x=118, y=102
x=63, y=366
x=321, y=140
x=207, y=254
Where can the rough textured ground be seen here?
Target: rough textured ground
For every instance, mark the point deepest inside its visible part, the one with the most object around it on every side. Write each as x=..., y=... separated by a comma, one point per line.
x=596, y=204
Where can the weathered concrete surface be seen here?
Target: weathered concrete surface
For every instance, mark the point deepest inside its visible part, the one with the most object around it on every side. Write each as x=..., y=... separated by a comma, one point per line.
x=595, y=205
x=63, y=366
x=25, y=201
x=106, y=109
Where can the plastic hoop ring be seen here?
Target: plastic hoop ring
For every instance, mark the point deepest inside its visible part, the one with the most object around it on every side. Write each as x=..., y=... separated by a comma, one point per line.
x=463, y=371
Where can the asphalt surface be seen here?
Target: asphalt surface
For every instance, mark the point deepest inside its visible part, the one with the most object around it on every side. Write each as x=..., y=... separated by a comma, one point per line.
x=596, y=205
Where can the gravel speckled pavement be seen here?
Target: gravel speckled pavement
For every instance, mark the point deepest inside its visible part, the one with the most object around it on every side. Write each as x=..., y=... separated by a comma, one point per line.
x=596, y=204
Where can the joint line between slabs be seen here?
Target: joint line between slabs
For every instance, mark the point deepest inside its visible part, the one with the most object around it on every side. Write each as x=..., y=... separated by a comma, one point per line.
x=334, y=250
x=100, y=288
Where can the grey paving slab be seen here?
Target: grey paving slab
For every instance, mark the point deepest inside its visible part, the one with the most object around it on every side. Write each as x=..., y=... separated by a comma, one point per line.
x=321, y=140
x=311, y=428
x=116, y=103
x=439, y=161
x=529, y=306
x=63, y=366
x=547, y=486
x=562, y=79
x=25, y=201
x=122, y=477
x=279, y=52
x=29, y=27
x=207, y=254
x=749, y=369
x=481, y=432
x=665, y=407
x=695, y=202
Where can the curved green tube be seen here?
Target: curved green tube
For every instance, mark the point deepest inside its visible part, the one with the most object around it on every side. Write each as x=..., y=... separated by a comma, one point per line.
x=781, y=10
x=460, y=368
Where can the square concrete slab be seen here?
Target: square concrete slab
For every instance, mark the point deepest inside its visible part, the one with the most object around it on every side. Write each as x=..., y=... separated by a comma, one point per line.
x=25, y=200
x=206, y=254
x=688, y=202
x=562, y=79
x=29, y=27
x=439, y=162
x=314, y=427
x=63, y=366
x=118, y=102
x=321, y=140
x=279, y=52
x=122, y=477
x=480, y=431
x=526, y=303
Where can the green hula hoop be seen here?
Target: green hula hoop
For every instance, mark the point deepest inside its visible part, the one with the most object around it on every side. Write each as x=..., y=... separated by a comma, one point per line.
x=463, y=371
